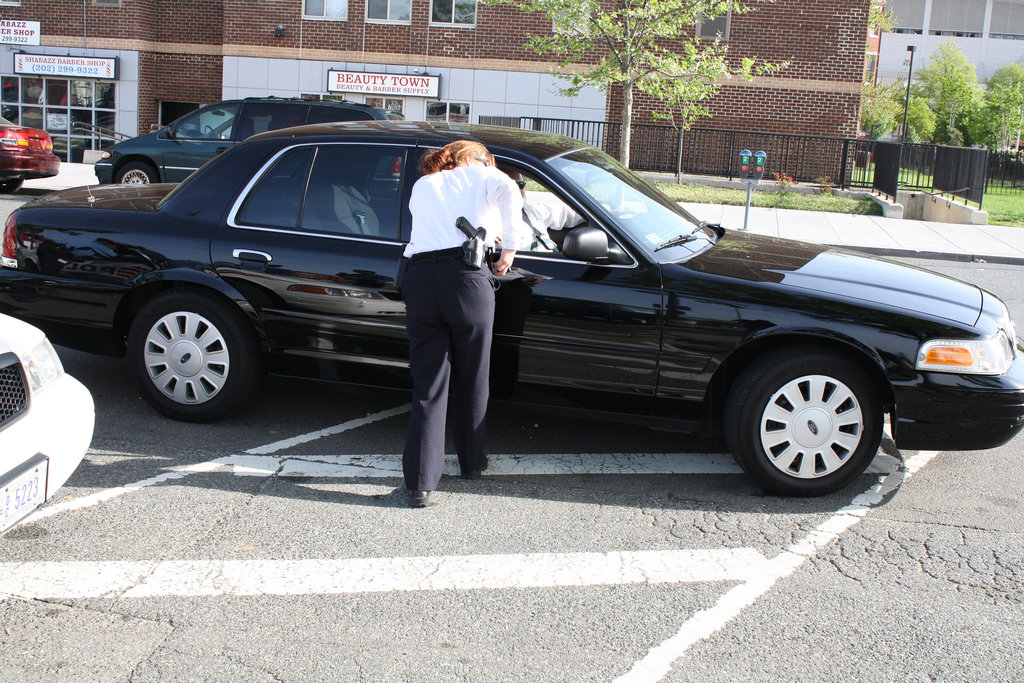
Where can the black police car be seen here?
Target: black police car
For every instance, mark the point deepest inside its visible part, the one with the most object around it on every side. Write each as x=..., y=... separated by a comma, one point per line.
x=281, y=253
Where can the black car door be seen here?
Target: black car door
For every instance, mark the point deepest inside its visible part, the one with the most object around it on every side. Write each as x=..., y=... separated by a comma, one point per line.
x=313, y=243
x=571, y=333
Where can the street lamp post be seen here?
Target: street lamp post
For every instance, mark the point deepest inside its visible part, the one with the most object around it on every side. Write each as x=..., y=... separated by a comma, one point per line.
x=906, y=105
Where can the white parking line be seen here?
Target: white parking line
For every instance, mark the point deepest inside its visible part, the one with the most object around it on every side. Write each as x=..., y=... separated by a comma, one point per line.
x=659, y=660
x=756, y=574
x=71, y=580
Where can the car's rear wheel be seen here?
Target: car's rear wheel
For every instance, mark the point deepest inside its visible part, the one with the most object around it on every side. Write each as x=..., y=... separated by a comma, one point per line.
x=193, y=356
x=803, y=421
x=137, y=173
x=12, y=185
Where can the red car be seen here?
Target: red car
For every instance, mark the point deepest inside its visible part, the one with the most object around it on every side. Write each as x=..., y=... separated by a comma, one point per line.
x=24, y=153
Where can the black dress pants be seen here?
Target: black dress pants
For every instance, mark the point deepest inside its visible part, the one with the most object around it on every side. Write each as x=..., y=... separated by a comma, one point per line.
x=449, y=317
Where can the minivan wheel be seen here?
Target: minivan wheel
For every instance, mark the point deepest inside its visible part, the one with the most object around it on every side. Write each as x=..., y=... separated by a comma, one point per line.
x=803, y=421
x=137, y=173
x=193, y=356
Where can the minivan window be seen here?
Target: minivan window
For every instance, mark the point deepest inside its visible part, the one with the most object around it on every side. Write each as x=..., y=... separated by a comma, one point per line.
x=327, y=114
x=259, y=117
x=209, y=123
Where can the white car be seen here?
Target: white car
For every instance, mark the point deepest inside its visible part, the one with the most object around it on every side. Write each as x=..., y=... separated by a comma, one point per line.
x=46, y=421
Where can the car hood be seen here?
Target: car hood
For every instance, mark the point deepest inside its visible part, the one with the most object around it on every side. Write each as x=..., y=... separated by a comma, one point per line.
x=836, y=272
x=116, y=197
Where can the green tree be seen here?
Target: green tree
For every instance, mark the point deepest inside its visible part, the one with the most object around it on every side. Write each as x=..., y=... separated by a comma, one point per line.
x=950, y=85
x=881, y=107
x=646, y=46
x=1004, y=106
x=921, y=120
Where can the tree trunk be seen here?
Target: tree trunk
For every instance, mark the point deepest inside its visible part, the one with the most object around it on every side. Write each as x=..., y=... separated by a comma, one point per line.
x=627, y=122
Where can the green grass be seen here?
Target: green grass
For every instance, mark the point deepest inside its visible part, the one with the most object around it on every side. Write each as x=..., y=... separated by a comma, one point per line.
x=1004, y=208
x=780, y=200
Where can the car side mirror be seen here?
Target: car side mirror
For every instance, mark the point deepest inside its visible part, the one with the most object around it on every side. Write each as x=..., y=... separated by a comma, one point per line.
x=591, y=244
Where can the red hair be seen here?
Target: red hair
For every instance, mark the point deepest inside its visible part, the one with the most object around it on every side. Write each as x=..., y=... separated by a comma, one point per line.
x=453, y=154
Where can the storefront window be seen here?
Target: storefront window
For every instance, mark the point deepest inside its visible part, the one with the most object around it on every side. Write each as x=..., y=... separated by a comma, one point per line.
x=68, y=101
x=56, y=91
x=453, y=112
x=9, y=85
x=386, y=103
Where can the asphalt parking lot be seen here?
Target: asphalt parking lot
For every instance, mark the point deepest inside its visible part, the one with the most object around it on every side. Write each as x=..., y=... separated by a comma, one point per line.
x=276, y=545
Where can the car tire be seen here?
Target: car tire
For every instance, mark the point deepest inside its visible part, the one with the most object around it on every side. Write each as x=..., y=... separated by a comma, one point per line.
x=11, y=186
x=137, y=173
x=194, y=356
x=803, y=421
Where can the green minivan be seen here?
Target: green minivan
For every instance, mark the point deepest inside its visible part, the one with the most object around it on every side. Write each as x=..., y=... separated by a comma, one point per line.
x=170, y=154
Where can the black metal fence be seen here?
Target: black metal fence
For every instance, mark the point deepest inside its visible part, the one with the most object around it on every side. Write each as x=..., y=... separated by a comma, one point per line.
x=842, y=162
x=1005, y=171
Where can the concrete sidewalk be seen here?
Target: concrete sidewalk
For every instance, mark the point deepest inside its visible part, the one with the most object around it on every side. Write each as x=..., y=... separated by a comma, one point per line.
x=872, y=234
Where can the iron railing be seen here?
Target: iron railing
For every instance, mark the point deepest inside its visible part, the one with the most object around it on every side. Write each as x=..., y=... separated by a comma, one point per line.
x=841, y=162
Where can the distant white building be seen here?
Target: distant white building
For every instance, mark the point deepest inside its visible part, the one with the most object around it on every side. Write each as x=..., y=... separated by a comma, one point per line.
x=990, y=33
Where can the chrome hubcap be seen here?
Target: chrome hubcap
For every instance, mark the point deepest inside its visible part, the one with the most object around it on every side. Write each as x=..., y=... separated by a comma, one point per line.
x=811, y=426
x=186, y=357
x=135, y=177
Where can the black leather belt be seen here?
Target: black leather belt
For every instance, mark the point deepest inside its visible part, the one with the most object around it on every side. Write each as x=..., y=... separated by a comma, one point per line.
x=432, y=256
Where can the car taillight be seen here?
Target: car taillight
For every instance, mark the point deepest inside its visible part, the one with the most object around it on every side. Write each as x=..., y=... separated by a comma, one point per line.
x=13, y=137
x=10, y=252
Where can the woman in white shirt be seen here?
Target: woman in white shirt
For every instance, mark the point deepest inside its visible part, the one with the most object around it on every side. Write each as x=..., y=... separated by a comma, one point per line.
x=450, y=306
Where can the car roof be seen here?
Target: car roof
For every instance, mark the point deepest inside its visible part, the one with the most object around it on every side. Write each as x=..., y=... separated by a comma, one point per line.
x=498, y=139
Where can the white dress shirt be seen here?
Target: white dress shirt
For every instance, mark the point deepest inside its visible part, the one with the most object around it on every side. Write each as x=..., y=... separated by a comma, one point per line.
x=487, y=197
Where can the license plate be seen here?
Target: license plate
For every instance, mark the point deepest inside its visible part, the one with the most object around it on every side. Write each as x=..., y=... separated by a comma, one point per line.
x=22, y=491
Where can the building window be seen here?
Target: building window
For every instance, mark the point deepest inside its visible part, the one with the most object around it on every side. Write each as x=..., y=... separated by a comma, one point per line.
x=452, y=112
x=75, y=112
x=461, y=12
x=908, y=15
x=717, y=27
x=961, y=18
x=325, y=9
x=107, y=3
x=1009, y=17
x=389, y=10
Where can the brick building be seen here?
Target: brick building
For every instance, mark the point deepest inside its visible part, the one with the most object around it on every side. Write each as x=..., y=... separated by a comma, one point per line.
x=127, y=65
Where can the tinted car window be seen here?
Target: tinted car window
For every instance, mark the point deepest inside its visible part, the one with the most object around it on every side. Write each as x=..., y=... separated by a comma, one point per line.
x=210, y=123
x=326, y=114
x=276, y=199
x=354, y=190
x=259, y=117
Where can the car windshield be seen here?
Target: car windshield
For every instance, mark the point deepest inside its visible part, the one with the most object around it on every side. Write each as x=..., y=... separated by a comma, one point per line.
x=651, y=219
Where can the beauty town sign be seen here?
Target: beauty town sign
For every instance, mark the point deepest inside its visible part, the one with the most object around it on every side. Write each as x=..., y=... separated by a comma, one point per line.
x=383, y=84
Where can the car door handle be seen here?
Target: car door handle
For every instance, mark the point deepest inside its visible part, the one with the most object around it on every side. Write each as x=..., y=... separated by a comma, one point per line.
x=252, y=257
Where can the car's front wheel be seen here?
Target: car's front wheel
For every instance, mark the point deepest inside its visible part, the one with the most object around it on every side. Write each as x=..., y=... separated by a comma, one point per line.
x=11, y=185
x=193, y=356
x=137, y=173
x=803, y=421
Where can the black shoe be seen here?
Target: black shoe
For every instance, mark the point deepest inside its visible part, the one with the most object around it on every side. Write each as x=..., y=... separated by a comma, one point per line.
x=475, y=474
x=419, y=499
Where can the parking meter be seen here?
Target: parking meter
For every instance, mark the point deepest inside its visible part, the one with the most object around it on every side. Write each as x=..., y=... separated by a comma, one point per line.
x=759, y=158
x=745, y=156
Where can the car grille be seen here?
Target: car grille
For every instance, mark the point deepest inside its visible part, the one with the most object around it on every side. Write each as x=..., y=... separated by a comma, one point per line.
x=13, y=392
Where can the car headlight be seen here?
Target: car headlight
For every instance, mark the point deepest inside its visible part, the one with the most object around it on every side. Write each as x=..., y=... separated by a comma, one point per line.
x=975, y=357
x=105, y=155
x=42, y=365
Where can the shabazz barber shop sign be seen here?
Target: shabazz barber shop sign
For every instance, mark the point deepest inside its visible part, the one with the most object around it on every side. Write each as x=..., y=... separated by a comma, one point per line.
x=383, y=84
